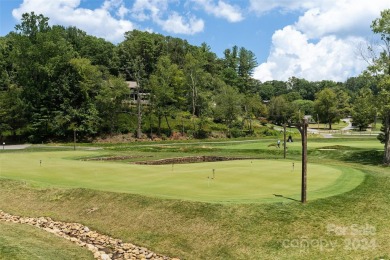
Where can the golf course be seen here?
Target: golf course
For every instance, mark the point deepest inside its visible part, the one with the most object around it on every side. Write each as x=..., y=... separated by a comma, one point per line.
x=238, y=181
x=247, y=207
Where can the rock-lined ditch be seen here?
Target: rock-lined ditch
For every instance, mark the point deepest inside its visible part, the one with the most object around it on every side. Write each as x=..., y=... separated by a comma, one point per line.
x=103, y=247
x=192, y=159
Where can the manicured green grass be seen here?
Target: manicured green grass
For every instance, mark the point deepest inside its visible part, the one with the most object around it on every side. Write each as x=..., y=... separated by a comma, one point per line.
x=26, y=242
x=240, y=181
x=335, y=126
x=199, y=230
x=192, y=230
x=361, y=143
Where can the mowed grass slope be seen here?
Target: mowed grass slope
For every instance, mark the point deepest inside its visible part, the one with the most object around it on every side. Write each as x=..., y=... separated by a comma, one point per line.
x=196, y=230
x=193, y=230
x=240, y=181
x=27, y=242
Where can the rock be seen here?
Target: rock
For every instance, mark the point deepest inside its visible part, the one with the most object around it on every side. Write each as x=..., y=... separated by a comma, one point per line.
x=103, y=247
x=105, y=257
x=73, y=239
x=96, y=255
x=92, y=248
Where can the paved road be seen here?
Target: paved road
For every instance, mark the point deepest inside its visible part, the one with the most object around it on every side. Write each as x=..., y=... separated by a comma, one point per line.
x=15, y=147
x=349, y=127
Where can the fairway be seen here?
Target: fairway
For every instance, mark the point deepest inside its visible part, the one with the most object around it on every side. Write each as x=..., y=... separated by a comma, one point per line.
x=241, y=181
x=363, y=143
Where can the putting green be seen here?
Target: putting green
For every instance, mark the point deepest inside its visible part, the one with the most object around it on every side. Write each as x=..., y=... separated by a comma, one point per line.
x=242, y=181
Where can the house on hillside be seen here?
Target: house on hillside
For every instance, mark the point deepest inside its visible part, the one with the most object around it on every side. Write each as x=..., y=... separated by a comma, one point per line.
x=133, y=87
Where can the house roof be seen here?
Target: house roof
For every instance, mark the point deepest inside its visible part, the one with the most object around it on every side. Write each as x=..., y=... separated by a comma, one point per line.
x=132, y=84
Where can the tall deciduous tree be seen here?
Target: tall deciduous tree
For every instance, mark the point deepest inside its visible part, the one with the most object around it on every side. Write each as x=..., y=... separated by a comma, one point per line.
x=228, y=105
x=12, y=111
x=111, y=102
x=306, y=107
x=167, y=87
x=381, y=67
x=325, y=106
x=279, y=110
x=79, y=108
x=306, y=89
x=40, y=58
x=253, y=108
x=138, y=74
x=343, y=103
x=363, y=109
x=32, y=24
x=196, y=79
x=148, y=46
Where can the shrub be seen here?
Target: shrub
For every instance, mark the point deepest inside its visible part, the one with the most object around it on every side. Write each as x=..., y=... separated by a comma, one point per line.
x=236, y=132
x=201, y=134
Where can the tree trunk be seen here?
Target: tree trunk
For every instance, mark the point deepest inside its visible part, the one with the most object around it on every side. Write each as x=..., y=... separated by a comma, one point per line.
x=151, y=126
x=159, y=124
x=139, y=112
x=182, y=126
x=386, y=156
x=166, y=120
x=193, y=88
x=111, y=125
x=284, y=141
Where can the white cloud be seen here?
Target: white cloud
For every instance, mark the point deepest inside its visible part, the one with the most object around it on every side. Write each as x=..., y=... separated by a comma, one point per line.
x=98, y=22
x=177, y=24
x=232, y=13
x=170, y=21
x=293, y=55
x=324, y=17
x=323, y=43
x=349, y=17
x=149, y=9
x=122, y=11
x=264, y=6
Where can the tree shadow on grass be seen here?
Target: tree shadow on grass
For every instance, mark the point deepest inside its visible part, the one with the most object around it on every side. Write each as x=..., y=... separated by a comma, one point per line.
x=371, y=157
x=288, y=198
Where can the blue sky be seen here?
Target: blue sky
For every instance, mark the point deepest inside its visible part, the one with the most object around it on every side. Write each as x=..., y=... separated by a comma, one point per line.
x=311, y=39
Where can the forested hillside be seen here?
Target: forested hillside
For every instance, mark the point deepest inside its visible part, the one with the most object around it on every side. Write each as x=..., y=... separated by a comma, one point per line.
x=56, y=81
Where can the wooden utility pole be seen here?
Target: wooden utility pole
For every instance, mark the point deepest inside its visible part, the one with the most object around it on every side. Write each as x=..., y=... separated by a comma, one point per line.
x=302, y=127
x=284, y=139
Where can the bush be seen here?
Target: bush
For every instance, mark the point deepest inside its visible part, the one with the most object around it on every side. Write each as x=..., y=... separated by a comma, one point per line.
x=201, y=134
x=236, y=132
x=263, y=121
x=265, y=131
